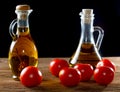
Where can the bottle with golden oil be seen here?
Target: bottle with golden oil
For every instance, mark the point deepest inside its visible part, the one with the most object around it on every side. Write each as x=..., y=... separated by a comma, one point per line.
x=87, y=50
x=23, y=51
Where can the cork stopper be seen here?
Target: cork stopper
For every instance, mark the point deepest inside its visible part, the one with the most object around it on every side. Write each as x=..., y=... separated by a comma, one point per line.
x=23, y=7
x=87, y=12
x=87, y=15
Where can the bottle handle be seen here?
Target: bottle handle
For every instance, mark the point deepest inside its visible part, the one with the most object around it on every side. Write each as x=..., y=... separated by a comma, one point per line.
x=11, y=29
x=100, y=36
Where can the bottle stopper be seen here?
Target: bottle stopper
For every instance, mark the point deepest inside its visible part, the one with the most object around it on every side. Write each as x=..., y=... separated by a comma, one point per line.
x=87, y=12
x=23, y=7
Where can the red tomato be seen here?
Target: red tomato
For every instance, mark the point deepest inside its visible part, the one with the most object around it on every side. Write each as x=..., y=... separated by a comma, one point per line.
x=103, y=75
x=69, y=76
x=86, y=71
x=56, y=65
x=106, y=62
x=30, y=76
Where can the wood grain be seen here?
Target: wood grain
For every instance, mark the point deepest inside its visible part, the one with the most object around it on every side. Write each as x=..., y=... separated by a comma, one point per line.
x=51, y=83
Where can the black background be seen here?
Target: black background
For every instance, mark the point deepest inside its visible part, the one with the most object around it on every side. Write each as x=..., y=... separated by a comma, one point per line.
x=55, y=25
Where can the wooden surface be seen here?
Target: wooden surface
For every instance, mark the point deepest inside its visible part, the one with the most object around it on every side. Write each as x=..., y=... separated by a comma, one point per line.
x=52, y=84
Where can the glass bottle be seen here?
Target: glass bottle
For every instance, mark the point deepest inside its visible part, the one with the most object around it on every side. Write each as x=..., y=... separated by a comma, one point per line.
x=87, y=50
x=23, y=51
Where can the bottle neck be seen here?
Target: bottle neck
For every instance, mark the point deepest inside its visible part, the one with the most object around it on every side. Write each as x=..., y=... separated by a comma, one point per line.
x=87, y=29
x=23, y=22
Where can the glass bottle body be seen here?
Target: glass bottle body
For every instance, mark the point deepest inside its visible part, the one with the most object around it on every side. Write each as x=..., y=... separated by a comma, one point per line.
x=88, y=54
x=87, y=50
x=23, y=51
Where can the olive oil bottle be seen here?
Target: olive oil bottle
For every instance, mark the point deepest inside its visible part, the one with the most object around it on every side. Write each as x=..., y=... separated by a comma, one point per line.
x=87, y=50
x=23, y=51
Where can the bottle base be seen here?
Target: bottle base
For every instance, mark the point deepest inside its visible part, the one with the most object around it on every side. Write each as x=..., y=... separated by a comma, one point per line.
x=16, y=78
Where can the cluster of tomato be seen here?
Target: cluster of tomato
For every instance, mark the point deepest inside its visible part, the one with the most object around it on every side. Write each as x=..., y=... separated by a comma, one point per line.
x=103, y=74
x=70, y=76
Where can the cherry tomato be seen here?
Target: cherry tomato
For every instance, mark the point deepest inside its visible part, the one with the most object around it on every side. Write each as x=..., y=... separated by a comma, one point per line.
x=69, y=76
x=56, y=65
x=103, y=75
x=106, y=62
x=30, y=76
x=86, y=71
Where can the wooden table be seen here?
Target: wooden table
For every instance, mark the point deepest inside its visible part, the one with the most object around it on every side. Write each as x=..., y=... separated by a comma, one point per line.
x=52, y=84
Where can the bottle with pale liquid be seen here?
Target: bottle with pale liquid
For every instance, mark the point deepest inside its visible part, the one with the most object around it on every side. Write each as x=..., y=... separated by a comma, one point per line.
x=87, y=50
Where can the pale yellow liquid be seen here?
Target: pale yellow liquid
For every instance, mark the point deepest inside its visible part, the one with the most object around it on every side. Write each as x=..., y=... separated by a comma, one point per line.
x=88, y=54
x=22, y=53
